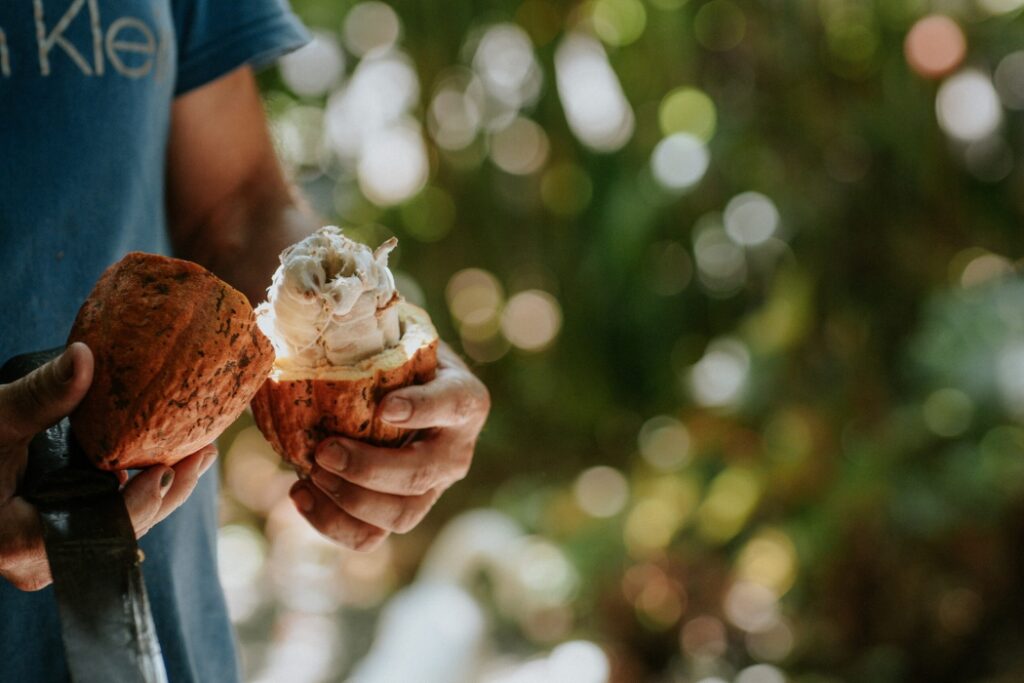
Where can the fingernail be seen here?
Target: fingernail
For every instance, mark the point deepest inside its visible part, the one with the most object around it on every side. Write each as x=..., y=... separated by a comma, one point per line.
x=303, y=499
x=165, y=481
x=208, y=459
x=397, y=410
x=326, y=481
x=65, y=366
x=333, y=456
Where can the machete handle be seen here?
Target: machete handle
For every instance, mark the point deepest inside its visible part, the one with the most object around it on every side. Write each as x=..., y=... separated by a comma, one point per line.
x=57, y=469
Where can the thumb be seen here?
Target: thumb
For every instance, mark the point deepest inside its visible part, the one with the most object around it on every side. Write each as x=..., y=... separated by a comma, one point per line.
x=48, y=393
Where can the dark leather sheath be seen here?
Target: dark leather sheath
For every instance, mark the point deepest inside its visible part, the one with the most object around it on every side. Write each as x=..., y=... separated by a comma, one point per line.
x=106, y=623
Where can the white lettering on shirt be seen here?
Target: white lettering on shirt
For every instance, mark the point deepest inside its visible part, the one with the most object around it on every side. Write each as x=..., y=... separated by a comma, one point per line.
x=46, y=41
x=129, y=43
x=115, y=46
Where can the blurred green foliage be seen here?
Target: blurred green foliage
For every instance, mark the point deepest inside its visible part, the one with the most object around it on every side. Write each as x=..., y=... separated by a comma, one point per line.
x=870, y=447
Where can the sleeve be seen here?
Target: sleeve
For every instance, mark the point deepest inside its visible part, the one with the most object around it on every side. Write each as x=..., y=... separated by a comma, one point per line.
x=215, y=37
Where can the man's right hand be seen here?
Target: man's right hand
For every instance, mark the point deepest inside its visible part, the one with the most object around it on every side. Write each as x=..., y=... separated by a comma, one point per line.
x=36, y=402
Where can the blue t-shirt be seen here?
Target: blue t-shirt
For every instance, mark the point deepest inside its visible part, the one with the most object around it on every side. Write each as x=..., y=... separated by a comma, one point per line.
x=86, y=88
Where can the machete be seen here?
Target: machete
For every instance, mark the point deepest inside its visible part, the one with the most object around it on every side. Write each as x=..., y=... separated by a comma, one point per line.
x=106, y=623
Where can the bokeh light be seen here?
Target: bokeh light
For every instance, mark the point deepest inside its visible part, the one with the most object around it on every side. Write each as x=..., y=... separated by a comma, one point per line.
x=299, y=137
x=760, y=673
x=541, y=576
x=566, y=189
x=476, y=298
x=1000, y=6
x=1009, y=80
x=241, y=554
x=595, y=106
x=531, y=320
x=650, y=526
x=369, y=27
x=989, y=159
x=703, y=636
x=473, y=294
x=618, y=22
x=751, y=218
x=661, y=509
x=505, y=62
x=659, y=598
x=304, y=649
x=679, y=161
x=520, y=148
x=579, y=661
x=1010, y=377
x=751, y=606
x=688, y=110
x=719, y=377
x=984, y=267
x=380, y=93
x=720, y=25
x=768, y=559
x=968, y=106
x=935, y=46
x=315, y=68
x=303, y=566
x=253, y=472
x=394, y=165
x=456, y=110
x=773, y=644
x=731, y=499
x=369, y=126
x=721, y=263
x=665, y=443
x=601, y=491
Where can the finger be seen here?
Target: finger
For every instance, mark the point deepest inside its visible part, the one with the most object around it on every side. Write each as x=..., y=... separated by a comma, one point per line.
x=144, y=495
x=186, y=476
x=22, y=555
x=446, y=356
x=454, y=397
x=398, y=514
x=409, y=471
x=333, y=522
x=48, y=393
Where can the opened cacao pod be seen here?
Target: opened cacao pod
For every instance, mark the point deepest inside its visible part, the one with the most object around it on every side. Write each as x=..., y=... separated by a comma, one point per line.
x=297, y=407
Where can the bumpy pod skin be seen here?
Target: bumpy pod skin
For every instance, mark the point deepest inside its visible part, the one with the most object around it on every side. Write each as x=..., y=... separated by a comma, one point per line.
x=296, y=408
x=178, y=357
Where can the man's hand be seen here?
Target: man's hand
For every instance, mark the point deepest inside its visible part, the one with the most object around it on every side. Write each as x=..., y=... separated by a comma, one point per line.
x=36, y=402
x=358, y=494
x=231, y=209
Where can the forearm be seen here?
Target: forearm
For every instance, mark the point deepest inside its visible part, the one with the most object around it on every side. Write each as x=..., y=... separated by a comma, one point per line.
x=229, y=206
x=241, y=239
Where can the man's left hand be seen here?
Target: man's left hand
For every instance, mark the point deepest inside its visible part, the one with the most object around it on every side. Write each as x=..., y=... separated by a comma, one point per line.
x=358, y=494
